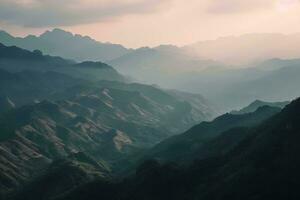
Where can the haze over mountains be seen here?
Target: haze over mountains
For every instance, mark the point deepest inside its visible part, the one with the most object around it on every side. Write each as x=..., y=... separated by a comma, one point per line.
x=240, y=50
x=100, y=121
x=262, y=163
x=250, y=158
x=250, y=48
x=61, y=43
x=205, y=67
x=52, y=109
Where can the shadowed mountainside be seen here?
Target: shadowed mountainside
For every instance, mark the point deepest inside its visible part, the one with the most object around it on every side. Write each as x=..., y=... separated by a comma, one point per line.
x=263, y=165
x=256, y=104
x=14, y=59
x=53, y=108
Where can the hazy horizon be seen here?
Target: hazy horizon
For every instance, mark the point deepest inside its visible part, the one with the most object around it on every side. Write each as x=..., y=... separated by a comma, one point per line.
x=138, y=23
x=150, y=46
x=149, y=99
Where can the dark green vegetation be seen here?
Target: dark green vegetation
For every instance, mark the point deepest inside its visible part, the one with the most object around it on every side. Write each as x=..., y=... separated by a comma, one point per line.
x=53, y=109
x=196, y=142
x=73, y=171
x=14, y=59
x=259, y=162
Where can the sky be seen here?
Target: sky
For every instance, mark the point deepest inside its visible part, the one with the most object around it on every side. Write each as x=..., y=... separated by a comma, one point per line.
x=136, y=23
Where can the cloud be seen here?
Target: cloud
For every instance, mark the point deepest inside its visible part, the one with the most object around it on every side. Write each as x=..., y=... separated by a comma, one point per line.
x=47, y=13
x=238, y=6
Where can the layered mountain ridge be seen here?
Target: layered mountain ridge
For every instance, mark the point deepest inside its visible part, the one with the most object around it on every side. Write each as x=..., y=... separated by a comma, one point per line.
x=62, y=43
x=262, y=165
x=75, y=128
x=52, y=109
x=197, y=68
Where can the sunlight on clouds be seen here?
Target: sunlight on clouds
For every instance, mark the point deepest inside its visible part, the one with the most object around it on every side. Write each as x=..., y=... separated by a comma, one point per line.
x=47, y=13
x=286, y=5
x=136, y=23
x=103, y=3
x=238, y=6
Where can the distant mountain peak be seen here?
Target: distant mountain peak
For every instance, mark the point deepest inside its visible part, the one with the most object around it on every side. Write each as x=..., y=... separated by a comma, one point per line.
x=60, y=30
x=257, y=101
x=56, y=33
x=59, y=42
x=257, y=104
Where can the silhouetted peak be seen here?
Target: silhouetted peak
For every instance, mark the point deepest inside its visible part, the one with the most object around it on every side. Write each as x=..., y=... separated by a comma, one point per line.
x=257, y=102
x=293, y=107
x=266, y=108
x=30, y=37
x=56, y=33
x=255, y=105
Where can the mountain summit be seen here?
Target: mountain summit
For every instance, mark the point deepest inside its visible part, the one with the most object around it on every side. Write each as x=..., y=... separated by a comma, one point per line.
x=62, y=43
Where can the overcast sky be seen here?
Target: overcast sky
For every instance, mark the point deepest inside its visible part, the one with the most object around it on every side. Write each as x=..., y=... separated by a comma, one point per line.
x=136, y=23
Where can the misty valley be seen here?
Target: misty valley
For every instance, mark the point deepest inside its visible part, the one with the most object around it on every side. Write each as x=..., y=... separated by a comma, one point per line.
x=82, y=119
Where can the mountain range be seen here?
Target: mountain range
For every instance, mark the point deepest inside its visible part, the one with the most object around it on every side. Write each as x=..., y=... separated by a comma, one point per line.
x=54, y=110
x=229, y=71
x=244, y=162
x=248, y=48
x=240, y=50
x=193, y=144
x=161, y=64
x=234, y=88
x=131, y=62
x=257, y=104
x=58, y=42
x=72, y=126
x=15, y=59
